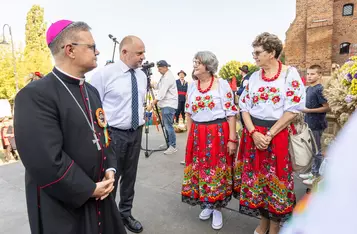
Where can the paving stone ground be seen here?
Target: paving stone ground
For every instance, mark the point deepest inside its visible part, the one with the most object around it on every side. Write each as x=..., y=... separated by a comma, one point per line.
x=157, y=201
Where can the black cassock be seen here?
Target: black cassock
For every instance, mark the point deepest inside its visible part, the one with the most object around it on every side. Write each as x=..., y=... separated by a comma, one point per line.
x=62, y=163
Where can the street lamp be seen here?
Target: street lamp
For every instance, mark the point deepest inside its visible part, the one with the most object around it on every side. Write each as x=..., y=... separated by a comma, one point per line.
x=4, y=42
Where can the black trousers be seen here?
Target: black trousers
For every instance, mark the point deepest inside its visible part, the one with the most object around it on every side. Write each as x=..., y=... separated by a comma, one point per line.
x=126, y=145
x=180, y=110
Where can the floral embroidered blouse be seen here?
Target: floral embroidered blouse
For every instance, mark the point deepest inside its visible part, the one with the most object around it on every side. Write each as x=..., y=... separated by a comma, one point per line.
x=269, y=100
x=215, y=104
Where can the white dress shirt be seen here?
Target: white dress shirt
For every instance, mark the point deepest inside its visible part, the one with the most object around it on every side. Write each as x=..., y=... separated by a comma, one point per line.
x=113, y=83
x=167, y=91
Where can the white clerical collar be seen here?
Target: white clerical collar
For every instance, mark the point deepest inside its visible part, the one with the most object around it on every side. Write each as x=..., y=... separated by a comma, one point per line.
x=81, y=80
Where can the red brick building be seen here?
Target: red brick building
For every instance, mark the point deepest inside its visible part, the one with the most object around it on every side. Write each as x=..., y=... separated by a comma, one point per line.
x=323, y=32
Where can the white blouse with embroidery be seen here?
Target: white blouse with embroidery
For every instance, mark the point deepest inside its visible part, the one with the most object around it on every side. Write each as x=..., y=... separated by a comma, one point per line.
x=269, y=100
x=215, y=104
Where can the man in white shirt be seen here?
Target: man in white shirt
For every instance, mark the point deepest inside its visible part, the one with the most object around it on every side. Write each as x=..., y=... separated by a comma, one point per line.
x=167, y=101
x=122, y=89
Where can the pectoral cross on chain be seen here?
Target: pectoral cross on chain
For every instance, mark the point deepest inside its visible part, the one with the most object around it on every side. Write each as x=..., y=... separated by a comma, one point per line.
x=96, y=141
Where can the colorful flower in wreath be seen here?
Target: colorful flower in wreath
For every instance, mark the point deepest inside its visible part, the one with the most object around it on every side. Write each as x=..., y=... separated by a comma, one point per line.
x=227, y=105
x=296, y=99
x=264, y=96
x=289, y=93
x=234, y=108
x=198, y=98
x=255, y=99
x=276, y=99
x=295, y=84
x=187, y=105
x=208, y=97
x=211, y=105
x=229, y=95
x=194, y=108
x=349, y=98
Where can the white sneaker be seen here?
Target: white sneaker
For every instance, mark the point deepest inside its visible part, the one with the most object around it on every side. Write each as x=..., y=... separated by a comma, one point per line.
x=163, y=146
x=309, y=181
x=255, y=231
x=206, y=214
x=217, y=220
x=183, y=162
x=306, y=176
x=170, y=150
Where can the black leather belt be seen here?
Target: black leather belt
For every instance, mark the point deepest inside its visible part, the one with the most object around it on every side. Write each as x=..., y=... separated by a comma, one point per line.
x=216, y=121
x=262, y=122
x=123, y=130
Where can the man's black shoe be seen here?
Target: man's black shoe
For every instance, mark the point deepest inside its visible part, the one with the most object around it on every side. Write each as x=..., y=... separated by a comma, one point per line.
x=132, y=224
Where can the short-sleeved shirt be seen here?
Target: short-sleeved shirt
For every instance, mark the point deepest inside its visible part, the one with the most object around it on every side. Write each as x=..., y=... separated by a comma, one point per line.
x=315, y=99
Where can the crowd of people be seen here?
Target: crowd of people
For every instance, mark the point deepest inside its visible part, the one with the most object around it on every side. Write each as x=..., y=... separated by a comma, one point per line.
x=88, y=136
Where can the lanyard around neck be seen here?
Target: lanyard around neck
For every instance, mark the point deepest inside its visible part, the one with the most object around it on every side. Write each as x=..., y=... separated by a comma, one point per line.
x=89, y=122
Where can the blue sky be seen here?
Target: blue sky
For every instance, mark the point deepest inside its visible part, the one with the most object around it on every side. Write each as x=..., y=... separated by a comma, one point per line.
x=173, y=30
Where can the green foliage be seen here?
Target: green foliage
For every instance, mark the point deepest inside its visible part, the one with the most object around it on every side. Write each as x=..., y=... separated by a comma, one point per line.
x=7, y=76
x=231, y=69
x=37, y=56
x=282, y=57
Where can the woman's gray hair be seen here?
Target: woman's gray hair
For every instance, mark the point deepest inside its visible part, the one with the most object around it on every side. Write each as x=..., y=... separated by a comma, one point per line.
x=69, y=33
x=269, y=42
x=209, y=60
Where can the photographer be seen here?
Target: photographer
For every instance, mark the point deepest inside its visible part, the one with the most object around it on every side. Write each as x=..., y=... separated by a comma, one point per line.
x=167, y=101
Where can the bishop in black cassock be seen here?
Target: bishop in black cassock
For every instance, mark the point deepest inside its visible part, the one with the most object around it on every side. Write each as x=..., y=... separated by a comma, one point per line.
x=60, y=131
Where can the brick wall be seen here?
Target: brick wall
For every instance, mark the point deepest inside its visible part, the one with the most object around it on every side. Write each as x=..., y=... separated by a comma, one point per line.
x=317, y=32
x=295, y=43
x=345, y=30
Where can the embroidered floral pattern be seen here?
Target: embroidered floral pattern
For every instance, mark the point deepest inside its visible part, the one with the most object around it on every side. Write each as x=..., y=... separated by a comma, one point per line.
x=202, y=103
x=261, y=182
x=228, y=102
x=206, y=103
x=293, y=92
x=208, y=175
x=267, y=94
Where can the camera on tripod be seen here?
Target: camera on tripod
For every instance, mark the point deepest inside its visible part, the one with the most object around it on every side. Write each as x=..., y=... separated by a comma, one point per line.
x=146, y=68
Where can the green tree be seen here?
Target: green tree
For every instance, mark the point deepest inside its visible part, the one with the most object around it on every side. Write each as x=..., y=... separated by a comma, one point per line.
x=231, y=69
x=282, y=57
x=7, y=76
x=37, y=56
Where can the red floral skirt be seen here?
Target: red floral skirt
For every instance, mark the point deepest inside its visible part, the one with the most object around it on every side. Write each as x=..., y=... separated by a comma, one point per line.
x=263, y=180
x=208, y=178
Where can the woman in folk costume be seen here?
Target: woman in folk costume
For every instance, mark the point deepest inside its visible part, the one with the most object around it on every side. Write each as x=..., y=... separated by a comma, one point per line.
x=263, y=179
x=211, y=142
